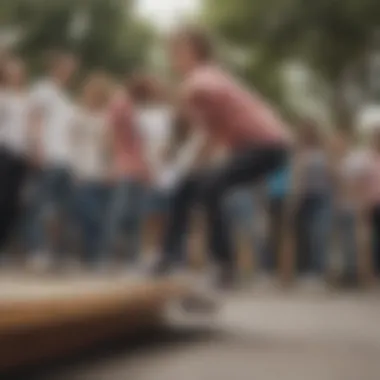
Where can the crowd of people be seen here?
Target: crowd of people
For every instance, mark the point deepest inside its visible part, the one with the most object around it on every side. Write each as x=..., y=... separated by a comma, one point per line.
x=86, y=178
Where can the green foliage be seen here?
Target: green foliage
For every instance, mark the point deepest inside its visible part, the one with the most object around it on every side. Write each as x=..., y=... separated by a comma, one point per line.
x=328, y=35
x=108, y=35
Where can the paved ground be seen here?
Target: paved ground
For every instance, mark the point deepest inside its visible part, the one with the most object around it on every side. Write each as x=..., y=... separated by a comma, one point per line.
x=263, y=335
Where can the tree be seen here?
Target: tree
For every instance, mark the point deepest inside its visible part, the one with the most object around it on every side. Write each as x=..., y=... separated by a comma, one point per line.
x=105, y=33
x=330, y=36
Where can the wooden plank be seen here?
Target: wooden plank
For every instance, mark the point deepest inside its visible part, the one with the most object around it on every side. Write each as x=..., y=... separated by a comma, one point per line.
x=38, y=330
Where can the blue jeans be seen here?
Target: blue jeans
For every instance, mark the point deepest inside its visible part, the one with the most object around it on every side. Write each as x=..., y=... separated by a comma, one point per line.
x=91, y=200
x=50, y=197
x=156, y=202
x=346, y=228
x=314, y=219
x=125, y=217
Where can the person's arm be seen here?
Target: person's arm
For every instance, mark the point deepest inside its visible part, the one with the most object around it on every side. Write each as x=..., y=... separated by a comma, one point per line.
x=193, y=152
x=200, y=149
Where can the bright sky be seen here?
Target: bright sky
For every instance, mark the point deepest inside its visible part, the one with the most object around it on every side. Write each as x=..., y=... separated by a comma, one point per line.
x=166, y=13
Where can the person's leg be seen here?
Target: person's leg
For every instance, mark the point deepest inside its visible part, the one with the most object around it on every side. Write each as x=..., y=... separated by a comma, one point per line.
x=243, y=168
x=84, y=207
x=63, y=202
x=125, y=218
x=275, y=236
x=4, y=170
x=93, y=222
x=279, y=230
x=113, y=219
x=182, y=199
x=79, y=212
x=320, y=233
x=298, y=236
x=272, y=236
x=304, y=220
x=31, y=223
x=49, y=213
x=104, y=192
x=17, y=205
x=349, y=245
x=240, y=209
x=135, y=195
x=155, y=213
x=9, y=199
x=14, y=179
x=376, y=238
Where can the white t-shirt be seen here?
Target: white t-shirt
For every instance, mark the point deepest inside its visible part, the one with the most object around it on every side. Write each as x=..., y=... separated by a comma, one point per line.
x=14, y=121
x=88, y=142
x=56, y=109
x=155, y=125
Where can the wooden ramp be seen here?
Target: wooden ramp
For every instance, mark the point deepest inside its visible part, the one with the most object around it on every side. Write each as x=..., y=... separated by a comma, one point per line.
x=47, y=319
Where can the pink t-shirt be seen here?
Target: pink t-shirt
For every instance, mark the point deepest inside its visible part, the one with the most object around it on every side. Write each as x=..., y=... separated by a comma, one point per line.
x=231, y=113
x=128, y=152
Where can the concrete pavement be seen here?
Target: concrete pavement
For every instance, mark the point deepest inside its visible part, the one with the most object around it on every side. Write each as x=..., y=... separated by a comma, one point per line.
x=263, y=335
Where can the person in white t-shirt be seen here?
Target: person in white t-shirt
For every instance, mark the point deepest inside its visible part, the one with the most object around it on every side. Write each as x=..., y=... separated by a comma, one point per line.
x=52, y=110
x=91, y=164
x=14, y=123
x=154, y=116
